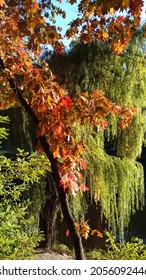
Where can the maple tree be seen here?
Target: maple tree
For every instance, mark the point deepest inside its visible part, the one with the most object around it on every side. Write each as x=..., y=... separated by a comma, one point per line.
x=23, y=31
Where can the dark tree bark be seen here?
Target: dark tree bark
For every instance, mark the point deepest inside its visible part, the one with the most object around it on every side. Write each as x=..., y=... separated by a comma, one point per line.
x=94, y=216
x=48, y=218
x=48, y=215
x=63, y=198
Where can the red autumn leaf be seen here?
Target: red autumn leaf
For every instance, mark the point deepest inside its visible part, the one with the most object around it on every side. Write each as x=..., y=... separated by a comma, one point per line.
x=72, y=177
x=65, y=101
x=64, y=180
x=59, y=47
x=83, y=188
x=74, y=187
x=67, y=232
x=58, y=130
x=120, y=19
x=123, y=124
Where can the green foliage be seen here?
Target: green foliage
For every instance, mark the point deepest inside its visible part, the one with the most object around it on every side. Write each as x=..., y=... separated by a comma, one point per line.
x=19, y=234
x=17, y=238
x=19, y=175
x=3, y=130
x=131, y=250
x=78, y=205
x=130, y=140
x=118, y=184
x=22, y=132
x=61, y=248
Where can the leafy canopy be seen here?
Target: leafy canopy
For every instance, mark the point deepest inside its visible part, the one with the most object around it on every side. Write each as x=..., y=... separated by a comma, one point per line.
x=23, y=32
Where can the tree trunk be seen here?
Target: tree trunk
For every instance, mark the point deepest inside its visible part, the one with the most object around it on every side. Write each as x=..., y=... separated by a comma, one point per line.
x=51, y=223
x=48, y=218
x=76, y=238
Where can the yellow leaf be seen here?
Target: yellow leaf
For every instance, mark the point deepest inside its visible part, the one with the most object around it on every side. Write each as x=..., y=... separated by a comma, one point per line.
x=112, y=11
x=80, y=149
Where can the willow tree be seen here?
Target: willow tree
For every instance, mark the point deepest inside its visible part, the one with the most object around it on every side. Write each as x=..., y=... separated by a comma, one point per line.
x=24, y=30
x=113, y=173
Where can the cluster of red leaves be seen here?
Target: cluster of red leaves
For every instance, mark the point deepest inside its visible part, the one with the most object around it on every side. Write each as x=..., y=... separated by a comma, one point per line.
x=71, y=180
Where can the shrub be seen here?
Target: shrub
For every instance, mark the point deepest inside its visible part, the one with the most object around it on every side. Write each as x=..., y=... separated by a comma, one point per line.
x=61, y=248
x=131, y=250
x=16, y=239
x=19, y=234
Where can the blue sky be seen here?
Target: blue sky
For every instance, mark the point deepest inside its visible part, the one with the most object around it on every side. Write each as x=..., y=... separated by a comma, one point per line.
x=71, y=13
x=144, y=11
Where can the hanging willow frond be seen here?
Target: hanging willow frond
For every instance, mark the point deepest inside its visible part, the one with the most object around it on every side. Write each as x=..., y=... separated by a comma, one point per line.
x=118, y=184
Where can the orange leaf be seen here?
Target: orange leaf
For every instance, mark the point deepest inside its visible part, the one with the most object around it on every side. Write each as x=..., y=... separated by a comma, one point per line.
x=83, y=164
x=105, y=34
x=2, y=2
x=56, y=153
x=93, y=231
x=99, y=234
x=41, y=131
x=58, y=129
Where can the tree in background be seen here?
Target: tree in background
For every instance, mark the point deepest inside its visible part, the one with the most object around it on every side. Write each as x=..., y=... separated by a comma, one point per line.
x=23, y=31
x=114, y=176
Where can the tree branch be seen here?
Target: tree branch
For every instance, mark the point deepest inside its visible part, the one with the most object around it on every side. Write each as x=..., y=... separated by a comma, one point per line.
x=77, y=242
